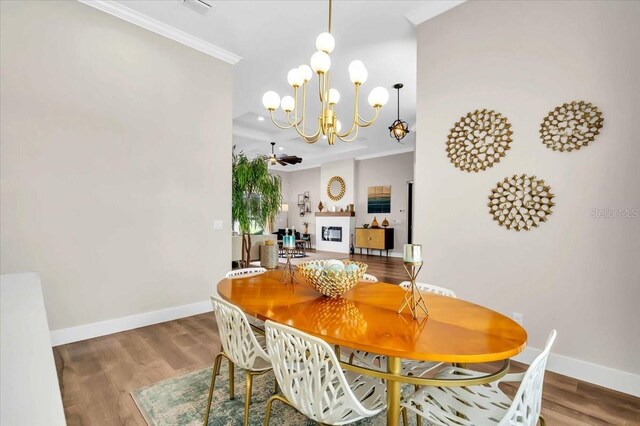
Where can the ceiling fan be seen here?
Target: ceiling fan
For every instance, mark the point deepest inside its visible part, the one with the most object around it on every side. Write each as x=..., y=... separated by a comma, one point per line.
x=283, y=159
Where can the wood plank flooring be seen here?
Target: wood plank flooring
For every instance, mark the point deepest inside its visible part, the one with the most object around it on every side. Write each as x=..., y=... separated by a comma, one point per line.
x=97, y=375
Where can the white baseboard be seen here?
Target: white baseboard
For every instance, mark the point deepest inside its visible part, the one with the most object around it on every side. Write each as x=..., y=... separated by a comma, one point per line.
x=102, y=328
x=621, y=381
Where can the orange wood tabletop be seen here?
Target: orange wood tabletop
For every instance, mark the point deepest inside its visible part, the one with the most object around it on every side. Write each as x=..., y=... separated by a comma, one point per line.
x=366, y=318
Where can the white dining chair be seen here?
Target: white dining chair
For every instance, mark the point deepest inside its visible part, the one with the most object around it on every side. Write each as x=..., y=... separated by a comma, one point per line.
x=236, y=273
x=485, y=404
x=430, y=288
x=240, y=347
x=409, y=367
x=369, y=278
x=313, y=382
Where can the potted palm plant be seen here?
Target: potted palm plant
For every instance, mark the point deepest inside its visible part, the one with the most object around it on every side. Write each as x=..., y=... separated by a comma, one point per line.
x=256, y=198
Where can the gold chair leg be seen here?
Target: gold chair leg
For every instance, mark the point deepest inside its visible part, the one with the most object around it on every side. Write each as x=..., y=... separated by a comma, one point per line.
x=542, y=421
x=231, y=383
x=275, y=386
x=247, y=397
x=268, y=411
x=405, y=420
x=214, y=373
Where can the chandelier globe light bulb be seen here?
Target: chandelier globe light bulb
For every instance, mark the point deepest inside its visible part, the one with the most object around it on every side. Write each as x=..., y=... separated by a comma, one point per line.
x=271, y=100
x=358, y=72
x=334, y=96
x=287, y=104
x=378, y=97
x=320, y=62
x=294, y=78
x=325, y=42
x=305, y=72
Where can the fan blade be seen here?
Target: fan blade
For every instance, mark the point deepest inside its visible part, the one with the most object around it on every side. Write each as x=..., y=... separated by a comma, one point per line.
x=282, y=163
x=291, y=159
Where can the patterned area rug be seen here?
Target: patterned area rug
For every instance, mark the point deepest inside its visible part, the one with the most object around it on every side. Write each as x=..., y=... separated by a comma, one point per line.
x=182, y=400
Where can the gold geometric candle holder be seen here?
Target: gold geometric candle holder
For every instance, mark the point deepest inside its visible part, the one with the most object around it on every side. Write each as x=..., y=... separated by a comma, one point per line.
x=288, y=274
x=413, y=298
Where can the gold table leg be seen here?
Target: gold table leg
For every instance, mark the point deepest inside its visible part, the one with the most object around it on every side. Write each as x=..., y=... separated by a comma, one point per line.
x=393, y=391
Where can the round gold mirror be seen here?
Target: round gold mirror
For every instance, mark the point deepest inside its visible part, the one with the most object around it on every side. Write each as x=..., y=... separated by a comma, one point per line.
x=336, y=188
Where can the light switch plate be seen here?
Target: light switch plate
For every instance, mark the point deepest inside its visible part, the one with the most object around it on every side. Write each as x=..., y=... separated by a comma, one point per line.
x=217, y=225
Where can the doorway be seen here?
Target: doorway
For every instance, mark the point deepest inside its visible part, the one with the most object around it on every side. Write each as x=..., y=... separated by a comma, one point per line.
x=409, y=212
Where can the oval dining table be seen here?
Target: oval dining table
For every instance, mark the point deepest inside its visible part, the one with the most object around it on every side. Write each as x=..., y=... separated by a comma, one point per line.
x=366, y=318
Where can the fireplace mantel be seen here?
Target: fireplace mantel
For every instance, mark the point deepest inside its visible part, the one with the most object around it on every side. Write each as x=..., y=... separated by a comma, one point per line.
x=335, y=214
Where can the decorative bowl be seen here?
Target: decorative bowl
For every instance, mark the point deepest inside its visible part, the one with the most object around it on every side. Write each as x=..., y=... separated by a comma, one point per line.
x=332, y=282
x=365, y=225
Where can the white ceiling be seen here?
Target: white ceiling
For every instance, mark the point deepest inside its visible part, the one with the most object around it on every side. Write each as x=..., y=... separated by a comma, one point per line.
x=274, y=36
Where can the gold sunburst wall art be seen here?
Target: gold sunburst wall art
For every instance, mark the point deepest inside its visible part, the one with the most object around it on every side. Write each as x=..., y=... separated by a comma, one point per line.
x=571, y=126
x=521, y=202
x=479, y=140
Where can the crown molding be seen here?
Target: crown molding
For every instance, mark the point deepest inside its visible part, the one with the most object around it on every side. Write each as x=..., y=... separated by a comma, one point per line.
x=123, y=12
x=431, y=10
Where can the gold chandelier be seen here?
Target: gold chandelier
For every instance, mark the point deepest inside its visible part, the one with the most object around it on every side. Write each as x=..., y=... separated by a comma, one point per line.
x=328, y=124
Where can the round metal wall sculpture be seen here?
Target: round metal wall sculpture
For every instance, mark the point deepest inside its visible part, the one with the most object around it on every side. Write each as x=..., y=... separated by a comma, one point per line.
x=336, y=188
x=479, y=140
x=521, y=202
x=571, y=126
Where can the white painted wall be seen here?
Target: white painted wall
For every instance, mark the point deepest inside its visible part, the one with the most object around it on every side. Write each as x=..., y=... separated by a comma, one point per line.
x=346, y=170
x=297, y=183
x=115, y=162
x=393, y=170
x=576, y=273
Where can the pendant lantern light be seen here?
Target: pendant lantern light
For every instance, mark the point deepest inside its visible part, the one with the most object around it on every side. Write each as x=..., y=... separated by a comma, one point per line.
x=399, y=129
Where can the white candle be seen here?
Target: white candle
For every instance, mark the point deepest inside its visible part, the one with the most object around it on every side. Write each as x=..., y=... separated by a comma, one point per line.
x=412, y=253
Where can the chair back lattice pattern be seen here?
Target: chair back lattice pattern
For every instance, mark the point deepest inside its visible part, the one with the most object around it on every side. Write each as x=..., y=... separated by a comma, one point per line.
x=310, y=377
x=245, y=272
x=527, y=403
x=369, y=278
x=238, y=341
x=430, y=288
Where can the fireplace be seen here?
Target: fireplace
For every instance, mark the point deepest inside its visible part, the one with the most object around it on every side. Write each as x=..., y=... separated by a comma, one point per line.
x=332, y=233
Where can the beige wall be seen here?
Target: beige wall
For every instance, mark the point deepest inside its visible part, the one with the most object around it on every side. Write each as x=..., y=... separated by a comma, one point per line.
x=576, y=273
x=115, y=162
x=393, y=170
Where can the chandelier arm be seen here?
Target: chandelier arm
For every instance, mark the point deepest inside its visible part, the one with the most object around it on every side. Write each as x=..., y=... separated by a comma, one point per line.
x=312, y=138
x=347, y=138
x=366, y=123
x=295, y=104
x=308, y=138
x=356, y=114
x=321, y=87
x=304, y=104
x=276, y=123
